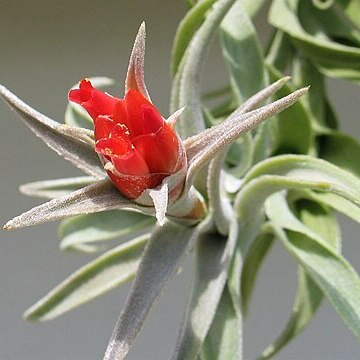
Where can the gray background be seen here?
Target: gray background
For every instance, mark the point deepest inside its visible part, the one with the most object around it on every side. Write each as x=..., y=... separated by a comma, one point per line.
x=47, y=46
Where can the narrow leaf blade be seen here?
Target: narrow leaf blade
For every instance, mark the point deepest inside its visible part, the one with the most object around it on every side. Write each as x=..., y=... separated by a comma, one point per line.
x=108, y=271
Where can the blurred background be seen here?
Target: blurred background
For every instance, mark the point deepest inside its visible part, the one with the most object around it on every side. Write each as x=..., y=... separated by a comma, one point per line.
x=45, y=47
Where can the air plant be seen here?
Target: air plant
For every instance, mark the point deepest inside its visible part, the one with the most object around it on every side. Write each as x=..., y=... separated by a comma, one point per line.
x=219, y=181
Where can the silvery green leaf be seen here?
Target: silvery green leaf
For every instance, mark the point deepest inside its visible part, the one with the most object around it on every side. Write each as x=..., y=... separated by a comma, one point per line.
x=93, y=198
x=50, y=189
x=291, y=129
x=253, y=6
x=204, y=147
x=241, y=152
x=189, y=92
x=340, y=149
x=213, y=256
x=77, y=118
x=78, y=152
x=278, y=211
x=232, y=184
x=175, y=88
x=135, y=73
x=280, y=51
x=186, y=30
x=75, y=115
x=314, y=33
x=304, y=72
x=292, y=171
x=336, y=202
x=88, y=249
x=352, y=9
x=330, y=271
x=308, y=298
x=253, y=261
x=245, y=121
x=261, y=96
x=174, y=117
x=240, y=156
x=223, y=340
x=242, y=53
x=323, y=5
x=108, y=271
x=247, y=235
x=219, y=204
x=315, y=222
x=160, y=262
x=103, y=226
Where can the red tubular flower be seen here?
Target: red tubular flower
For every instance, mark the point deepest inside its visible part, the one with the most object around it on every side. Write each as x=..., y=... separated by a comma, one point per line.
x=138, y=148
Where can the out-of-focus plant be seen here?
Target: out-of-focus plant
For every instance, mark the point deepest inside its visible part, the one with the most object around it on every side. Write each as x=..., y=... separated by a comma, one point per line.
x=214, y=180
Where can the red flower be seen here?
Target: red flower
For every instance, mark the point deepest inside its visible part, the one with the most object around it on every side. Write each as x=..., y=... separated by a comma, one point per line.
x=138, y=148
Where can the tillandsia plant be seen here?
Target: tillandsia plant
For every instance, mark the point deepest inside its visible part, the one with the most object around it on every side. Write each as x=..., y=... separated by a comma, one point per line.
x=215, y=180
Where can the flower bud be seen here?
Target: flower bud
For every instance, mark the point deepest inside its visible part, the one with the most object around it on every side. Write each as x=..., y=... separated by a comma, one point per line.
x=137, y=147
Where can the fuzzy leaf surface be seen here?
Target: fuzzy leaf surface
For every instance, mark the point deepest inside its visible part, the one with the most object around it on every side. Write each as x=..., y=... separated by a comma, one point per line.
x=70, y=143
x=103, y=226
x=97, y=197
x=331, y=272
x=213, y=256
x=51, y=189
x=223, y=339
x=160, y=262
x=108, y=271
x=315, y=222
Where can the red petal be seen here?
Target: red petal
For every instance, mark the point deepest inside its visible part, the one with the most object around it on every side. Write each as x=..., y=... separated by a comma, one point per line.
x=142, y=117
x=160, y=150
x=117, y=142
x=120, y=115
x=103, y=126
x=94, y=101
x=131, y=163
x=133, y=186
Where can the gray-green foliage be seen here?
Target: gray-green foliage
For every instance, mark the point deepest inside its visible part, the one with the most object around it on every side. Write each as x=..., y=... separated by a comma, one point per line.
x=288, y=177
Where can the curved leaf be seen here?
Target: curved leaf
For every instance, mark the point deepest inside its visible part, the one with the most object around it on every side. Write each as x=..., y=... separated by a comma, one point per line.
x=242, y=53
x=331, y=272
x=291, y=129
x=292, y=171
x=108, y=271
x=213, y=256
x=97, y=197
x=323, y=36
x=316, y=102
x=85, y=229
x=336, y=202
x=340, y=149
x=189, y=92
x=202, y=148
x=223, y=341
x=73, y=144
x=51, y=189
x=160, y=262
x=319, y=224
x=255, y=256
x=186, y=30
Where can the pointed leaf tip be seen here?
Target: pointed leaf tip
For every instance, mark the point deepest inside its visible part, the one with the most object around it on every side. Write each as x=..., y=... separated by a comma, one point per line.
x=173, y=118
x=74, y=145
x=135, y=73
x=160, y=199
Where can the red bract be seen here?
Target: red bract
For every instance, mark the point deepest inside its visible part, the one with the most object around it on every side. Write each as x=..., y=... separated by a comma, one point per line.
x=138, y=148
